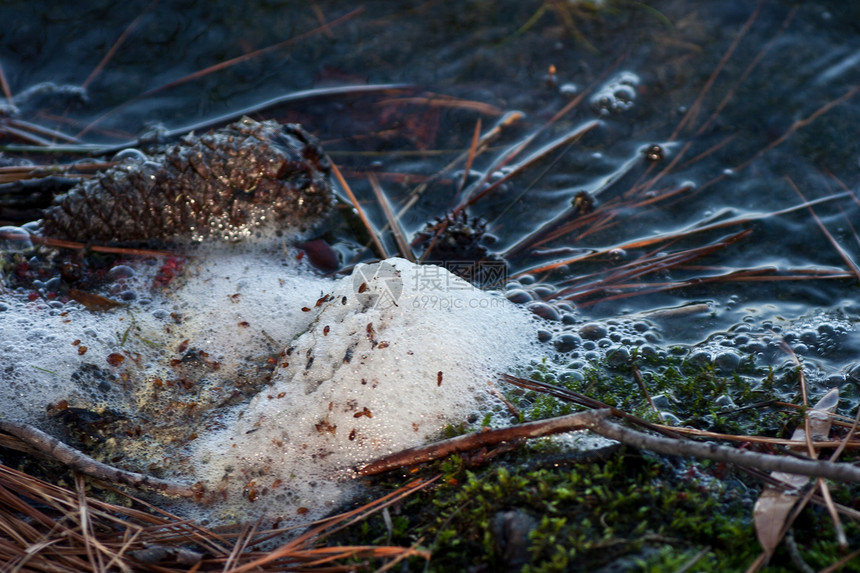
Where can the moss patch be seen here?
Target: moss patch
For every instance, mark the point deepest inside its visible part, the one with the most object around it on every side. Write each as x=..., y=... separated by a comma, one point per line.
x=544, y=508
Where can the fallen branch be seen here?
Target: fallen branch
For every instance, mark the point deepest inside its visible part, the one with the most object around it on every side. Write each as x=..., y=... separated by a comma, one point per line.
x=598, y=421
x=476, y=440
x=78, y=461
x=689, y=448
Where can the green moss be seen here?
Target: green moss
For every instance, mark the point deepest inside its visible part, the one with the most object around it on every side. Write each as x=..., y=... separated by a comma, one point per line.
x=647, y=512
x=632, y=511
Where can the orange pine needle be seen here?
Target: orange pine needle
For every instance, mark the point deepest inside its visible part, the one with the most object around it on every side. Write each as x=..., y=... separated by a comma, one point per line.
x=393, y=222
x=374, y=235
x=4, y=85
x=691, y=114
x=439, y=100
x=116, y=45
x=473, y=149
x=843, y=254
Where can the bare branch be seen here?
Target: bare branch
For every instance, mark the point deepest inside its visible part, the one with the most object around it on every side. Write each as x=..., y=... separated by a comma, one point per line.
x=78, y=461
x=477, y=440
x=598, y=422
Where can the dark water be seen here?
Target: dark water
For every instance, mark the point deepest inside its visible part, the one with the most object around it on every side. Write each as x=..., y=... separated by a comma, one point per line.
x=761, y=134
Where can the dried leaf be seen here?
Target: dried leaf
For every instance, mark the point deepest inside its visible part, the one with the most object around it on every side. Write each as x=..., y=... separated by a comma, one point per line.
x=774, y=506
x=93, y=302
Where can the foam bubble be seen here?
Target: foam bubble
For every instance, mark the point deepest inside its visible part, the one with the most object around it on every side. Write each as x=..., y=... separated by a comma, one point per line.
x=263, y=381
x=223, y=304
x=372, y=375
x=14, y=240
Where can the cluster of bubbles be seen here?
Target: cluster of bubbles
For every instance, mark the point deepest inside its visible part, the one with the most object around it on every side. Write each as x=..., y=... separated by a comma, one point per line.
x=823, y=341
x=616, y=95
x=575, y=341
x=14, y=239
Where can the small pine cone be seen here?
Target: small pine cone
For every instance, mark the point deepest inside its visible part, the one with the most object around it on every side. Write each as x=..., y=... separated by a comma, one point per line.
x=223, y=184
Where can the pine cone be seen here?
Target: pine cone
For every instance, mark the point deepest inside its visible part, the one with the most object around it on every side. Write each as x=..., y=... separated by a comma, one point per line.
x=223, y=184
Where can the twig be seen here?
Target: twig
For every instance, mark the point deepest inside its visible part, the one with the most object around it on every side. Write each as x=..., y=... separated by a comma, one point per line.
x=689, y=448
x=755, y=62
x=57, y=450
x=799, y=124
x=442, y=100
x=93, y=547
x=693, y=432
x=568, y=395
x=62, y=244
x=794, y=553
x=292, y=98
x=842, y=562
x=475, y=440
x=507, y=120
x=30, y=138
x=328, y=526
x=509, y=154
x=681, y=234
x=598, y=422
x=475, y=192
x=32, y=128
x=473, y=151
x=693, y=560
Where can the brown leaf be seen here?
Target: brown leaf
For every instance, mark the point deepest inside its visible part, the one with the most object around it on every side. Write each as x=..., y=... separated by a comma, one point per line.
x=774, y=506
x=91, y=301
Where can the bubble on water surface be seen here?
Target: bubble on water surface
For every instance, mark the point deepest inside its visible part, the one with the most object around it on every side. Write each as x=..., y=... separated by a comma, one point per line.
x=14, y=240
x=616, y=95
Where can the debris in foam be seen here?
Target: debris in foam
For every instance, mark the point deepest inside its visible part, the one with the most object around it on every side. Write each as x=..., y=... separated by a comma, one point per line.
x=372, y=348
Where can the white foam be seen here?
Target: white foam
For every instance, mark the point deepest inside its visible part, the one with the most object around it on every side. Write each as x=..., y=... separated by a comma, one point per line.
x=224, y=307
x=369, y=377
x=383, y=362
